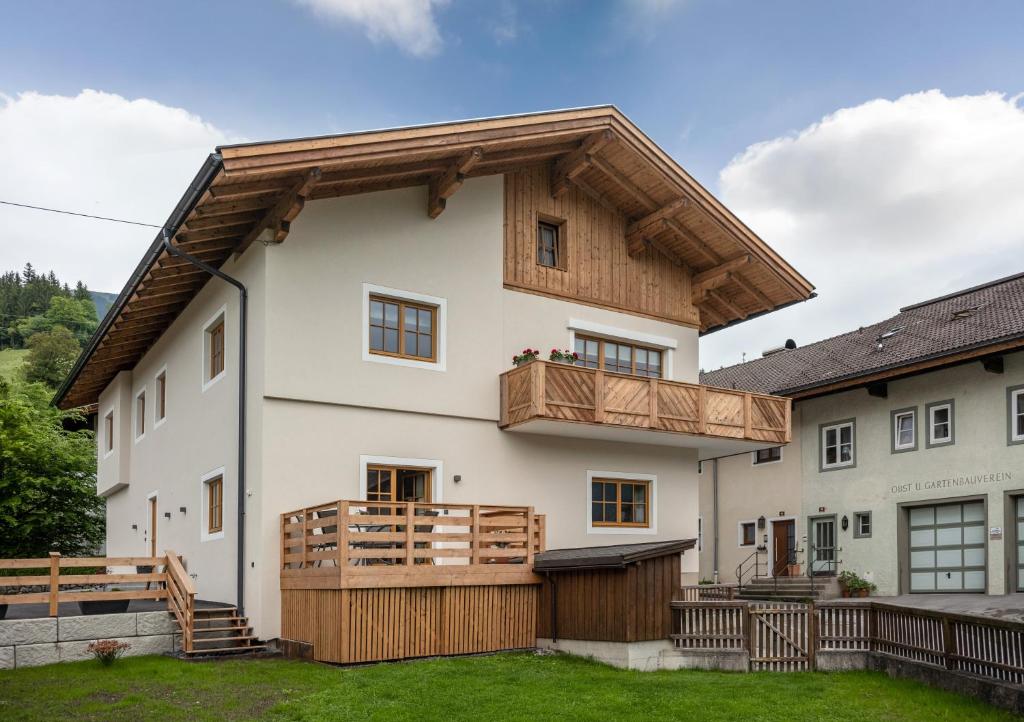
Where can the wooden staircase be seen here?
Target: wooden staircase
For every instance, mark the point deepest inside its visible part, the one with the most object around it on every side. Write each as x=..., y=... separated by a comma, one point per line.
x=220, y=631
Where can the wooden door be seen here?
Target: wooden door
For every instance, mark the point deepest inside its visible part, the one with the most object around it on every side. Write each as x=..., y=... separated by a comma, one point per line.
x=152, y=526
x=783, y=539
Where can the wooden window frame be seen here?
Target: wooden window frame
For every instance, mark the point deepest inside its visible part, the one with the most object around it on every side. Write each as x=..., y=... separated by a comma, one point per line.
x=140, y=415
x=634, y=346
x=428, y=487
x=619, y=483
x=108, y=430
x=215, y=360
x=215, y=504
x=756, y=461
x=160, y=405
x=560, y=250
x=402, y=305
x=753, y=537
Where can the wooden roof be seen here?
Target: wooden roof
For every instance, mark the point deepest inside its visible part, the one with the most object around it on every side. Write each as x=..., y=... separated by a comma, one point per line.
x=254, y=191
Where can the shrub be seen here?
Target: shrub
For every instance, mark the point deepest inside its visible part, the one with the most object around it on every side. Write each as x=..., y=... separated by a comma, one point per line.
x=108, y=651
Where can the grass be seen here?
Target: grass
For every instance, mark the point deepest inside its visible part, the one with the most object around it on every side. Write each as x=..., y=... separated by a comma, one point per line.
x=11, y=360
x=518, y=686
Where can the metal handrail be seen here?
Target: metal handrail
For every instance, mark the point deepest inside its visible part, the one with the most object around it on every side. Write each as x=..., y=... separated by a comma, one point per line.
x=791, y=559
x=756, y=556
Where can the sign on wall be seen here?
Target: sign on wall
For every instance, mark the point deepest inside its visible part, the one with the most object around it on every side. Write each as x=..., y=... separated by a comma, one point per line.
x=954, y=482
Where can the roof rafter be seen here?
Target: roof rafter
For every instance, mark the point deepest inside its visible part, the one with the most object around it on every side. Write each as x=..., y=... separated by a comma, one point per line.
x=443, y=188
x=577, y=161
x=278, y=219
x=711, y=277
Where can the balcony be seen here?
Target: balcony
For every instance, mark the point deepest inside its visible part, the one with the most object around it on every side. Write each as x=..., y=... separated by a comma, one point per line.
x=558, y=399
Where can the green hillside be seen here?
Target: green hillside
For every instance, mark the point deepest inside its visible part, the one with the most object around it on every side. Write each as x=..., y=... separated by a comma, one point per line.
x=103, y=302
x=11, y=360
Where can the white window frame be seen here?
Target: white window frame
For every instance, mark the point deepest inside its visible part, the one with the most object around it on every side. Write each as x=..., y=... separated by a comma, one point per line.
x=912, y=413
x=1016, y=406
x=440, y=333
x=857, y=532
x=754, y=462
x=932, y=408
x=665, y=344
x=220, y=315
x=158, y=420
x=141, y=393
x=204, y=506
x=838, y=427
x=739, y=533
x=111, y=440
x=652, y=506
x=436, y=467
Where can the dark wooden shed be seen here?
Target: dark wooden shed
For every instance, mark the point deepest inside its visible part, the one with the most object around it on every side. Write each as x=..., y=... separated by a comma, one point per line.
x=617, y=593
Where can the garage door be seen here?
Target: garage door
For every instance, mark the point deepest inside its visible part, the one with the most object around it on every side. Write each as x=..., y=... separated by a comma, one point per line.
x=947, y=548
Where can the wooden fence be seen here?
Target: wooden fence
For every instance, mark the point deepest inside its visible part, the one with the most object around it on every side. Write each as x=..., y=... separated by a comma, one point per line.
x=788, y=637
x=708, y=592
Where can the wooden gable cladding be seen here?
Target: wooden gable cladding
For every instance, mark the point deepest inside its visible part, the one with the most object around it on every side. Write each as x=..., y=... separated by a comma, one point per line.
x=599, y=270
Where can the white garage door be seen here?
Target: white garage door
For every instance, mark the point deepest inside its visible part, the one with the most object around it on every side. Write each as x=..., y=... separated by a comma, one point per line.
x=947, y=548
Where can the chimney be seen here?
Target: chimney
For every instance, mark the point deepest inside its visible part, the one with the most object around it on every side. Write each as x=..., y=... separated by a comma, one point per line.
x=788, y=346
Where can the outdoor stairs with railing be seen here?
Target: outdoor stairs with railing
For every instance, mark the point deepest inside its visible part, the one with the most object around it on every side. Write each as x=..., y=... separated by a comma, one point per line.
x=219, y=631
x=789, y=589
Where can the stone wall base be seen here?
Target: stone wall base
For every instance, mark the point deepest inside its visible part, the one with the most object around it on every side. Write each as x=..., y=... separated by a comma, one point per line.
x=34, y=642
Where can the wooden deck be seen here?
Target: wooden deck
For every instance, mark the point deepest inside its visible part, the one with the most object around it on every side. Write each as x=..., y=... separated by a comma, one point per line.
x=364, y=580
x=542, y=391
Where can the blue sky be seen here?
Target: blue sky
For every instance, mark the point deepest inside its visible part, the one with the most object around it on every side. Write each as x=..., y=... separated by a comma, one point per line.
x=704, y=79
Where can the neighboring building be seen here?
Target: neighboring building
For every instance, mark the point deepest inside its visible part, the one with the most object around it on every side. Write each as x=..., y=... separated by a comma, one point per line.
x=383, y=310
x=907, y=462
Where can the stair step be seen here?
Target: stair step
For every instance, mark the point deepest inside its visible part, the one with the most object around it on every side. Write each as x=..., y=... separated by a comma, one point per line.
x=205, y=630
x=227, y=650
x=216, y=612
x=237, y=638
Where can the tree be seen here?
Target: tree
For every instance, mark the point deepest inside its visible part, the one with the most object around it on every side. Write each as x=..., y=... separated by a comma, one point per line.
x=48, y=498
x=51, y=356
x=77, y=316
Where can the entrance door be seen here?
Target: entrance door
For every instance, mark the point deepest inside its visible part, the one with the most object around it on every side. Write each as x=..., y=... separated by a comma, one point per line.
x=947, y=548
x=152, y=526
x=823, y=545
x=784, y=546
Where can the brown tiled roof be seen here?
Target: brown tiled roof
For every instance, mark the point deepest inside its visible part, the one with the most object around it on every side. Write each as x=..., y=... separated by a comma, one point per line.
x=970, y=320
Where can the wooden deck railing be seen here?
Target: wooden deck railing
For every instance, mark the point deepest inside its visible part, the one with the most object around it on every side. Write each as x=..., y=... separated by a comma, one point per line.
x=708, y=592
x=181, y=599
x=546, y=390
x=356, y=538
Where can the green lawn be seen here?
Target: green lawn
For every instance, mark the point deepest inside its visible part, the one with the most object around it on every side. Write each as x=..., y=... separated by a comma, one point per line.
x=11, y=360
x=519, y=686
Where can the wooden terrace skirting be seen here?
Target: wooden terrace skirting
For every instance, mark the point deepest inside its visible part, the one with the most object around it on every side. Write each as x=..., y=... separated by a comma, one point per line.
x=365, y=581
x=546, y=390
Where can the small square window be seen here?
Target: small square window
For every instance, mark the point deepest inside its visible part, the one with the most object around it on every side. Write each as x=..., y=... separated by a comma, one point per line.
x=748, y=533
x=140, y=415
x=402, y=329
x=768, y=456
x=549, y=245
x=161, y=396
x=620, y=502
x=861, y=524
x=941, y=423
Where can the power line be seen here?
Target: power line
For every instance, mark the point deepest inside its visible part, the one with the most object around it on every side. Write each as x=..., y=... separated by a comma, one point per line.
x=80, y=215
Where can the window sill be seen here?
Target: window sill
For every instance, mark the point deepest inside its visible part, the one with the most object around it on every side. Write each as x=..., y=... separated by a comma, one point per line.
x=207, y=384
x=216, y=536
x=158, y=423
x=402, y=361
x=591, y=529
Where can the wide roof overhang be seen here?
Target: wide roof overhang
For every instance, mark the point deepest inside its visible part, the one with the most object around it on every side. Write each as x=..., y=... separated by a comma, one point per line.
x=249, y=192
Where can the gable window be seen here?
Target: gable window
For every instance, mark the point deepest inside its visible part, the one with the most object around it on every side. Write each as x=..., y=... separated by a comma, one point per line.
x=1015, y=409
x=748, y=533
x=618, y=357
x=108, y=431
x=160, y=411
x=837, y=445
x=620, y=502
x=940, y=423
x=402, y=328
x=140, y=415
x=214, y=352
x=215, y=505
x=549, y=245
x=904, y=430
x=767, y=456
x=861, y=524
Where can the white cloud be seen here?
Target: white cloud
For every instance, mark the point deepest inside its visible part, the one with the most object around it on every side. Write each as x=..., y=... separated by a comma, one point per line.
x=409, y=24
x=95, y=153
x=881, y=205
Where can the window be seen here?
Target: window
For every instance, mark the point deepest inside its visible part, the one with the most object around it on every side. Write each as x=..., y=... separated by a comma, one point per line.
x=215, y=505
x=402, y=329
x=618, y=357
x=904, y=430
x=214, y=351
x=108, y=431
x=161, y=397
x=700, y=533
x=140, y=415
x=767, y=456
x=940, y=423
x=620, y=502
x=549, y=245
x=700, y=467
x=1015, y=410
x=861, y=524
x=748, y=533
x=392, y=483
x=837, y=445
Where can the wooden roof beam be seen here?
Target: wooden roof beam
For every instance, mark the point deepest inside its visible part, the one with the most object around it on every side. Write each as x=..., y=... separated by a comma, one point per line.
x=443, y=188
x=577, y=161
x=728, y=305
x=691, y=239
x=282, y=213
x=624, y=183
x=706, y=310
x=645, y=224
x=750, y=290
x=664, y=250
x=711, y=277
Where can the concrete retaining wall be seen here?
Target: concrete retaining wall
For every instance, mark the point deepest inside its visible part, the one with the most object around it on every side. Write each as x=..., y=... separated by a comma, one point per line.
x=33, y=642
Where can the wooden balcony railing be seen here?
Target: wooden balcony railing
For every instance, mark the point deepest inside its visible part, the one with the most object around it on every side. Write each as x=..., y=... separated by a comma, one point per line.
x=546, y=390
x=368, y=542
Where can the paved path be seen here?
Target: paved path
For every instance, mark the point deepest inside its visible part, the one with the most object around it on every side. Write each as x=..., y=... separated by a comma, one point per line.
x=1000, y=606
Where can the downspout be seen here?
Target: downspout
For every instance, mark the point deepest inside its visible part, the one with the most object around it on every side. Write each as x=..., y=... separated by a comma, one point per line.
x=243, y=314
x=714, y=518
